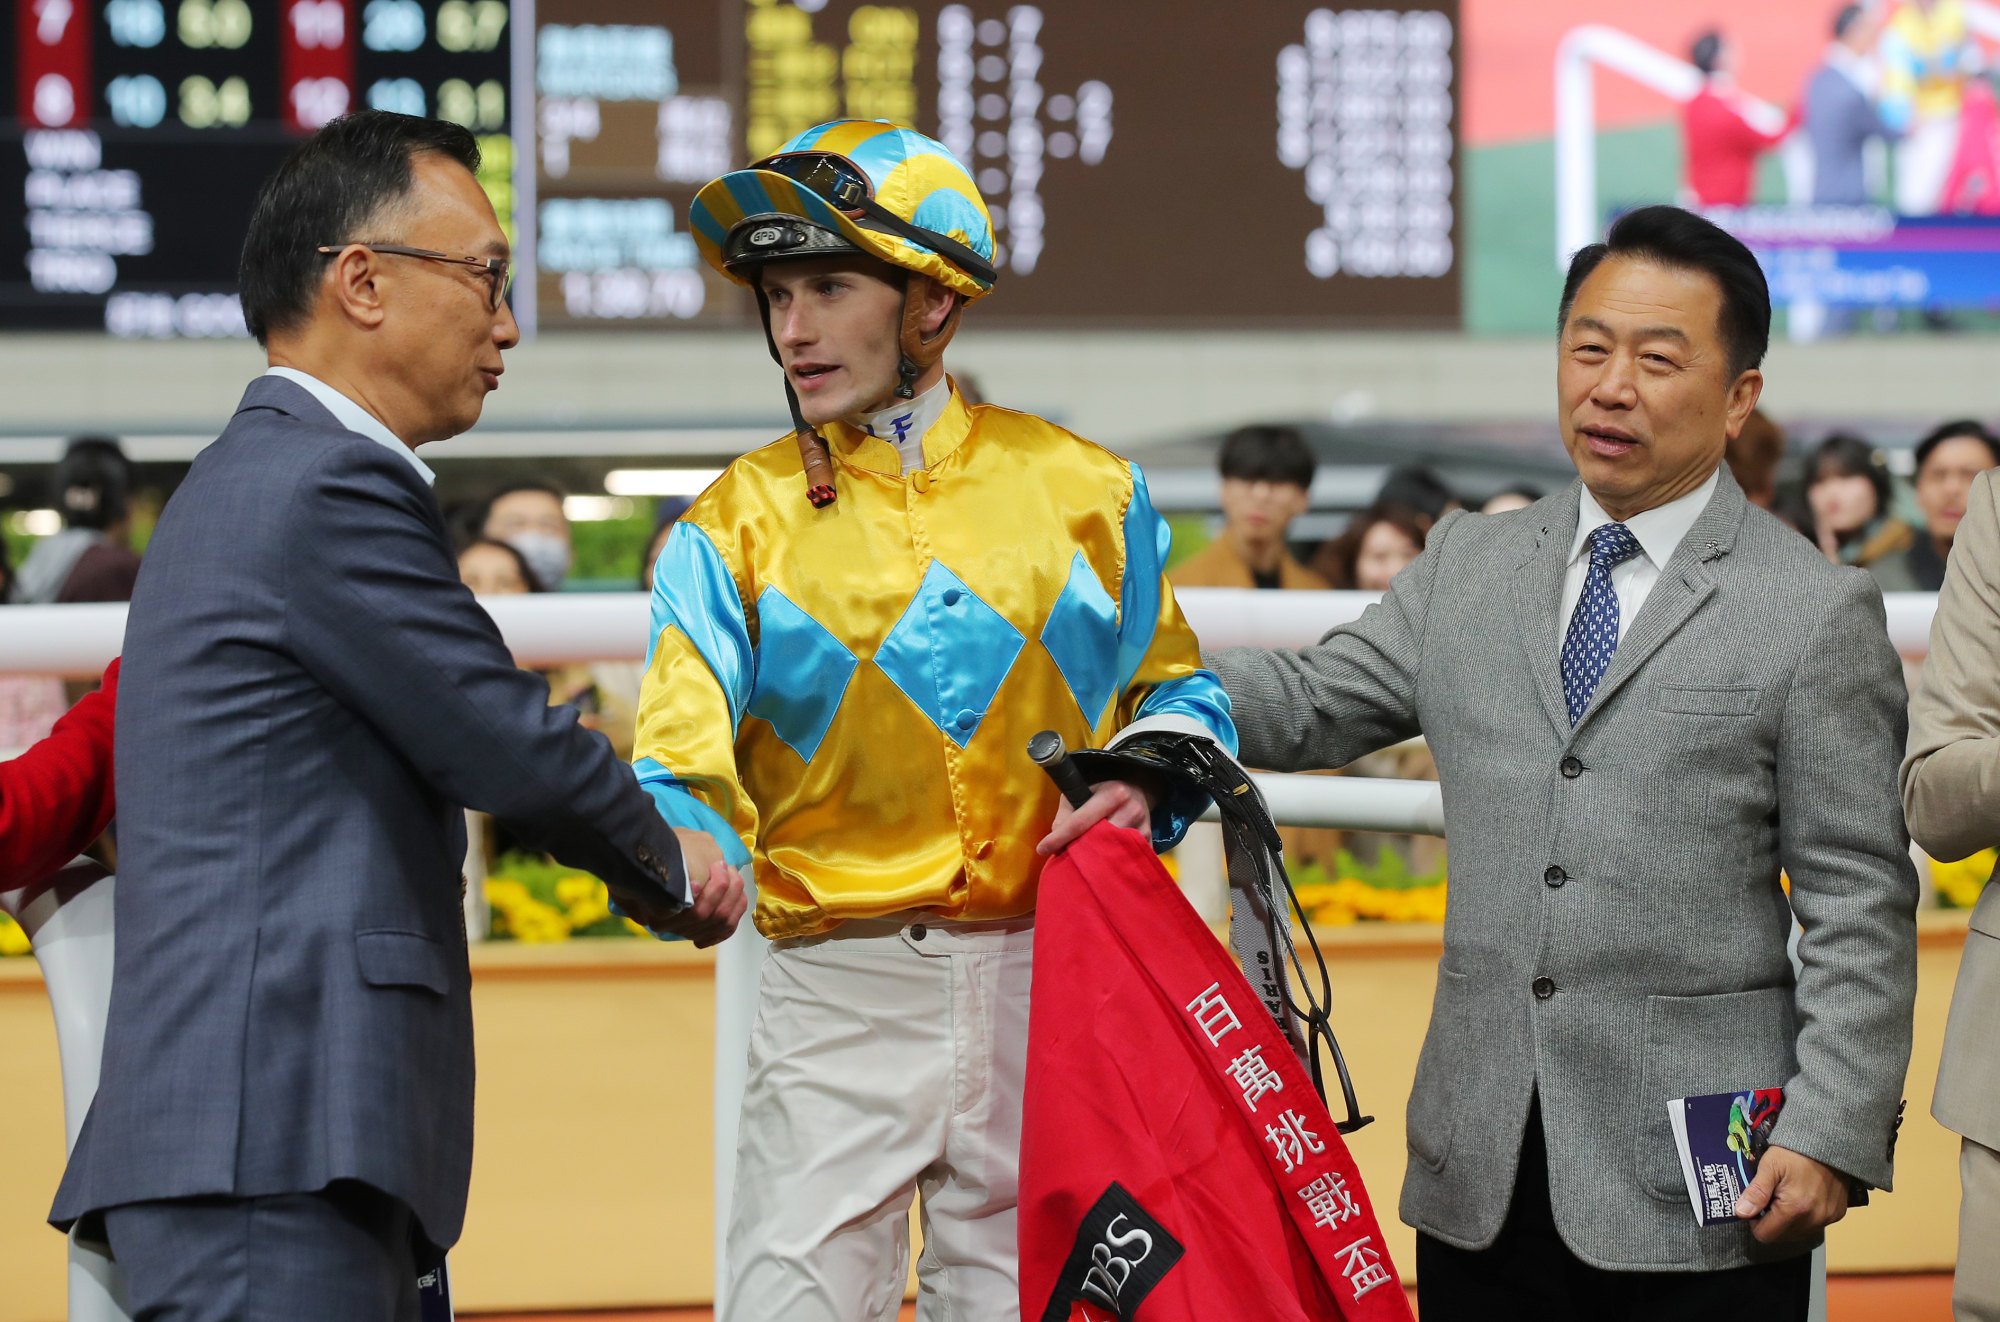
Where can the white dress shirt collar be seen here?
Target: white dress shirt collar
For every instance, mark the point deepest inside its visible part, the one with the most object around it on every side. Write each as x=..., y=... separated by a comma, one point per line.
x=1659, y=531
x=353, y=417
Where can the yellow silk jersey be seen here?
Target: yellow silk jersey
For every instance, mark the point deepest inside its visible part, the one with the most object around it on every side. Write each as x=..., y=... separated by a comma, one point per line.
x=845, y=695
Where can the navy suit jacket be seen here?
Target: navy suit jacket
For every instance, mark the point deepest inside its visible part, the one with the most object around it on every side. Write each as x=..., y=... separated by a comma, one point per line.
x=309, y=696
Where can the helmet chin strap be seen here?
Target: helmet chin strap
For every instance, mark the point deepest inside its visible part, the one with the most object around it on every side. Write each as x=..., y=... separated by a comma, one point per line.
x=921, y=352
x=812, y=446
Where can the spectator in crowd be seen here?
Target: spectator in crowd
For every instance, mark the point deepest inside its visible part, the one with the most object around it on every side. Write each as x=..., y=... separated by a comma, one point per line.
x=529, y=517
x=1372, y=549
x=1722, y=146
x=1948, y=460
x=1517, y=497
x=1267, y=474
x=1753, y=456
x=6, y=574
x=56, y=798
x=1841, y=117
x=1951, y=797
x=1610, y=715
x=1420, y=491
x=91, y=558
x=495, y=569
x=1847, y=504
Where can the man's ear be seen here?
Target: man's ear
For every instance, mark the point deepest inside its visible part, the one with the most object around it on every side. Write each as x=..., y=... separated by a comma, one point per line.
x=937, y=303
x=353, y=285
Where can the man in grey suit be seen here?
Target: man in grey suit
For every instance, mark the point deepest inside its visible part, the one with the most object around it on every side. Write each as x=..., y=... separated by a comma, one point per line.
x=1646, y=698
x=1840, y=116
x=284, y=1124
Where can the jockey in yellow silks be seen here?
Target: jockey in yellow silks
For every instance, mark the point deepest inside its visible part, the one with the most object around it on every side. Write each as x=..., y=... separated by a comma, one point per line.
x=844, y=672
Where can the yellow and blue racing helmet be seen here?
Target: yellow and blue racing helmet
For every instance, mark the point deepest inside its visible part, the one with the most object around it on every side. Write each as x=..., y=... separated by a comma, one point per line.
x=853, y=186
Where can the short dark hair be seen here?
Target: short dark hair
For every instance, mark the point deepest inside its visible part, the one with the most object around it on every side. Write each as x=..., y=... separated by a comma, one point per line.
x=484, y=512
x=1679, y=239
x=1418, y=489
x=1970, y=429
x=1706, y=51
x=1843, y=454
x=520, y=561
x=1265, y=453
x=1845, y=20
x=333, y=184
x=93, y=484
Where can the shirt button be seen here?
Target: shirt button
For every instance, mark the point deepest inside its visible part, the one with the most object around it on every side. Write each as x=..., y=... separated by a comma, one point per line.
x=967, y=719
x=1555, y=876
x=951, y=596
x=1571, y=768
x=918, y=931
x=1544, y=987
x=921, y=481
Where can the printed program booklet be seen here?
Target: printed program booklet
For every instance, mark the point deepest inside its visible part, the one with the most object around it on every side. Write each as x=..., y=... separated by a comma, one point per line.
x=1720, y=1136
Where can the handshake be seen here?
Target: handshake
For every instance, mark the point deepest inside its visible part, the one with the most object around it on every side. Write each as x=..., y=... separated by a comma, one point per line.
x=716, y=899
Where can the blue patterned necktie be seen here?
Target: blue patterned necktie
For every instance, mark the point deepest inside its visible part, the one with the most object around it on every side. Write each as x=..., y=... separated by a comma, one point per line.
x=1593, y=626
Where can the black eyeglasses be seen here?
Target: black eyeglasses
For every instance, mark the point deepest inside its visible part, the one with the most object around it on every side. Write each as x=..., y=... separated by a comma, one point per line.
x=497, y=271
x=841, y=182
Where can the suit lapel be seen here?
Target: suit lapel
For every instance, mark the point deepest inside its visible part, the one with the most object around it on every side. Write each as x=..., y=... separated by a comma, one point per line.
x=1685, y=583
x=1538, y=601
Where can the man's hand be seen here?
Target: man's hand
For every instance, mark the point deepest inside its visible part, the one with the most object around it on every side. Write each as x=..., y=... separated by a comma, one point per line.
x=716, y=890
x=1793, y=1197
x=1116, y=801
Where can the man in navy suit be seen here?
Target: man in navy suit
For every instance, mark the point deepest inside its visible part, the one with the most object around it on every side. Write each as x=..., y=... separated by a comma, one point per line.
x=284, y=1125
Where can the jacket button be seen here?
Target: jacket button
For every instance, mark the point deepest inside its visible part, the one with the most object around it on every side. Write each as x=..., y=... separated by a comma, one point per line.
x=646, y=855
x=967, y=719
x=951, y=596
x=918, y=931
x=1555, y=876
x=1544, y=987
x=984, y=849
x=921, y=481
x=1571, y=768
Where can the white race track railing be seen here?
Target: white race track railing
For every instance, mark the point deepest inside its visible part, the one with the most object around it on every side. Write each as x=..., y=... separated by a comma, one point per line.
x=560, y=628
x=563, y=628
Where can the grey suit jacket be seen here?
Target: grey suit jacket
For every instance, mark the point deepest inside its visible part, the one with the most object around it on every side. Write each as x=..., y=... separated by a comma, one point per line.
x=1951, y=789
x=308, y=696
x=1839, y=120
x=1749, y=721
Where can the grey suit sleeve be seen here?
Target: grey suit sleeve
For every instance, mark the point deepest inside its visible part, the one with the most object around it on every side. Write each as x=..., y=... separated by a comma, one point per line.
x=377, y=614
x=1841, y=840
x=1351, y=693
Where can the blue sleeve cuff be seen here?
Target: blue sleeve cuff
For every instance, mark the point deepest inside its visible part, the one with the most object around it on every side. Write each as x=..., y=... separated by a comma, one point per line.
x=681, y=809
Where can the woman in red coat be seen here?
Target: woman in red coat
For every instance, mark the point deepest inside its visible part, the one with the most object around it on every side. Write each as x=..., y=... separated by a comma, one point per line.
x=56, y=797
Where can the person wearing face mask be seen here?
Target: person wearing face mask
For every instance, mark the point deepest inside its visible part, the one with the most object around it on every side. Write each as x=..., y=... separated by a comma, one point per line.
x=1948, y=460
x=1847, y=504
x=308, y=699
x=529, y=517
x=844, y=674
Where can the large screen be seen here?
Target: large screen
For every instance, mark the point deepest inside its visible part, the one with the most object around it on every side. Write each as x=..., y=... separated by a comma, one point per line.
x=1173, y=162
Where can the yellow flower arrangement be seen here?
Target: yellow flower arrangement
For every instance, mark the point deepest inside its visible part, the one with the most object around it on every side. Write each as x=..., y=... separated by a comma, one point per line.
x=13, y=941
x=1355, y=892
x=535, y=900
x=1959, y=884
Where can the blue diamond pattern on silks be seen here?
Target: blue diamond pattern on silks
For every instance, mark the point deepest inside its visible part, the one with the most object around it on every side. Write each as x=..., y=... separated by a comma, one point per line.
x=802, y=674
x=949, y=653
x=1082, y=639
